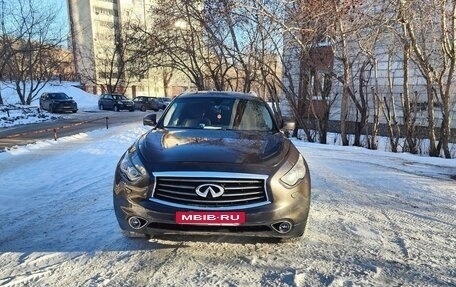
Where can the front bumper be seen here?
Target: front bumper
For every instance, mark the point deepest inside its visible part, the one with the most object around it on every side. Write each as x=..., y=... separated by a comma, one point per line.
x=65, y=108
x=126, y=106
x=286, y=205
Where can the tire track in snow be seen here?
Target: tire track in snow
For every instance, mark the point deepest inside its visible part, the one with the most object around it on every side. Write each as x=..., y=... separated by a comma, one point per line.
x=201, y=259
x=398, y=239
x=347, y=183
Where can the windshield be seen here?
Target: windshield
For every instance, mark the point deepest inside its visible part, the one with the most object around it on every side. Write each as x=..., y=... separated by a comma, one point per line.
x=120, y=97
x=59, y=96
x=219, y=113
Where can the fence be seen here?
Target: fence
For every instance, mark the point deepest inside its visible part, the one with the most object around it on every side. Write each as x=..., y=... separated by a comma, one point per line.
x=56, y=130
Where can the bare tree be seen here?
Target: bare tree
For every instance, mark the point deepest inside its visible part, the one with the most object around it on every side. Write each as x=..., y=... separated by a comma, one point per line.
x=407, y=108
x=213, y=44
x=445, y=79
x=5, y=40
x=357, y=29
x=238, y=33
x=167, y=75
x=388, y=107
x=293, y=30
x=34, y=42
x=178, y=40
x=120, y=58
x=430, y=30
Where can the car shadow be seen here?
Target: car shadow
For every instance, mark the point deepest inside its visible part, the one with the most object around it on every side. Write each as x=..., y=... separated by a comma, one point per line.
x=231, y=239
x=110, y=239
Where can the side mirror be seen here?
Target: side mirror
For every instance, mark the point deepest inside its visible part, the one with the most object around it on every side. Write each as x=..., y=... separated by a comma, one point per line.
x=150, y=120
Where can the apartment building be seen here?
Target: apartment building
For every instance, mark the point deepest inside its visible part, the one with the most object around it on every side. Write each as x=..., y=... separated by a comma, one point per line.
x=96, y=27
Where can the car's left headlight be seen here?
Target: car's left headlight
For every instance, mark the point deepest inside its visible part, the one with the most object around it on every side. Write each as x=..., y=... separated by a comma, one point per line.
x=132, y=167
x=296, y=173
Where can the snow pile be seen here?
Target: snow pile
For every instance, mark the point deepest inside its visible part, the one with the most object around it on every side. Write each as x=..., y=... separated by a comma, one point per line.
x=86, y=101
x=12, y=113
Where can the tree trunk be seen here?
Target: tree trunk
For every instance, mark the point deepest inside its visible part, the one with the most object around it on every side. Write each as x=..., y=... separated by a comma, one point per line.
x=445, y=129
x=409, y=118
x=346, y=90
x=376, y=102
x=433, y=151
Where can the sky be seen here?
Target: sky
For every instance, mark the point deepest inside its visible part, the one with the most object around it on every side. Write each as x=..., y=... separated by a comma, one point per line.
x=62, y=13
x=59, y=7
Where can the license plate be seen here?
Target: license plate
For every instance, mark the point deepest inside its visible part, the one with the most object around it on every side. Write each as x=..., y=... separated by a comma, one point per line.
x=210, y=217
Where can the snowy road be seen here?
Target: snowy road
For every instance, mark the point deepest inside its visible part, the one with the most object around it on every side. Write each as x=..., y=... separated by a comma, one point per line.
x=377, y=219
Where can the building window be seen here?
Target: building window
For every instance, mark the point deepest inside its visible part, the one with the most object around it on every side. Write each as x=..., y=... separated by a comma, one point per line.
x=107, y=24
x=107, y=75
x=104, y=11
x=110, y=1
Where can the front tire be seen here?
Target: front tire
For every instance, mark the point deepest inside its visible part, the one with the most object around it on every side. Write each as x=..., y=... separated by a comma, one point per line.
x=100, y=106
x=143, y=108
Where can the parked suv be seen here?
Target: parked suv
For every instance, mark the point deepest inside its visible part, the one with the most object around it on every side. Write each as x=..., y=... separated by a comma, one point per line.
x=214, y=163
x=147, y=103
x=164, y=102
x=115, y=102
x=58, y=102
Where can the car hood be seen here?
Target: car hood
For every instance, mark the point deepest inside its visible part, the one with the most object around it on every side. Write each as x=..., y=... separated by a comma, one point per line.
x=213, y=146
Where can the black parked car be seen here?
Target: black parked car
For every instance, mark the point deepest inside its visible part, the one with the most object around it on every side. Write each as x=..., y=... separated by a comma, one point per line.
x=115, y=102
x=164, y=102
x=214, y=163
x=147, y=103
x=58, y=102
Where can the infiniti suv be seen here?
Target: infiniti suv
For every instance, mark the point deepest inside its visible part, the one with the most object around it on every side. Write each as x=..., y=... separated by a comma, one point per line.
x=214, y=163
x=58, y=102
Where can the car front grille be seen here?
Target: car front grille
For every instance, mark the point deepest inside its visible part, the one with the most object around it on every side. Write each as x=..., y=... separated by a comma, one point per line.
x=239, y=190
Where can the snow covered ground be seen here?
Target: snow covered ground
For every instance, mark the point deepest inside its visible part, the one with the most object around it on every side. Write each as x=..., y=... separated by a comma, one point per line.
x=376, y=219
x=12, y=113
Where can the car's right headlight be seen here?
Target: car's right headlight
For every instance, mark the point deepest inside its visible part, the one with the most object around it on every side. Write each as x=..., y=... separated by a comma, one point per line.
x=296, y=173
x=132, y=167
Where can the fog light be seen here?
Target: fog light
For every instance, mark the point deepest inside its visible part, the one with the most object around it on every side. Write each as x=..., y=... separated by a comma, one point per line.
x=136, y=222
x=283, y=227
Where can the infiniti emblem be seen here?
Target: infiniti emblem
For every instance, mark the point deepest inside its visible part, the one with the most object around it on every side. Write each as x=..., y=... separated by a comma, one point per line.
x=214, y=189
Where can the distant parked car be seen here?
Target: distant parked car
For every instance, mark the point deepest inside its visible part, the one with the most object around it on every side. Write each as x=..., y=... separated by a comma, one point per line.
x=115, y=102
x=147, y=103
x=164, y=102
x=58, y=102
